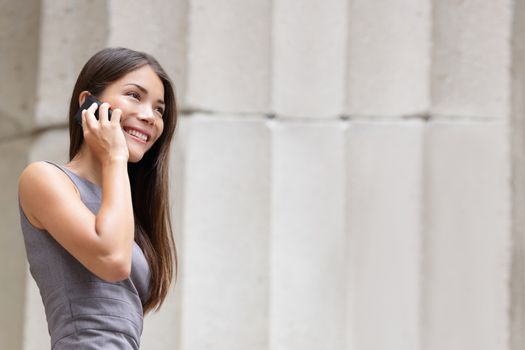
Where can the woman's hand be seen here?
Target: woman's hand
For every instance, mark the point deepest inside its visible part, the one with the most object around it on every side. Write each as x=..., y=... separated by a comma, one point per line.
x=104, y=137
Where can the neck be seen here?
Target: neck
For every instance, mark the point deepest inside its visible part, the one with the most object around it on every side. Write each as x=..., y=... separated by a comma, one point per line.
x=86, y=165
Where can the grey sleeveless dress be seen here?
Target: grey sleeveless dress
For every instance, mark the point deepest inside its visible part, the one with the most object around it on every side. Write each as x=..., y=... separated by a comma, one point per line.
x=83, y=311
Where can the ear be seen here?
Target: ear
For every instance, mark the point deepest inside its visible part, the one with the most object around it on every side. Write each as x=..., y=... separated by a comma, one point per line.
x=82, y=97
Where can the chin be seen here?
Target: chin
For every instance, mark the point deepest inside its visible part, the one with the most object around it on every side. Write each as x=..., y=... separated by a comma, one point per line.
x=135, y=158
x=136, y=153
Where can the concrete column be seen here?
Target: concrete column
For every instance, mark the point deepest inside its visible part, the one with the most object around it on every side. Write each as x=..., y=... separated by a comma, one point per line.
x=471, y=58
x=226, y=225
x=229, y=55
x=517, y=127
x=384, y=195
x=467, y=236
x=307, y=270
x=388, y=57
x=162, y=28
x=309, y=55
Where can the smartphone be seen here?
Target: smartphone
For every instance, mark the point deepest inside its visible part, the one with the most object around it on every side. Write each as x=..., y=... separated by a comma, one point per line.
x=90, y=99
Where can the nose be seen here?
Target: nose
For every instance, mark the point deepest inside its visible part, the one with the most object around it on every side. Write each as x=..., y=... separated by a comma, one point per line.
x=146, y=114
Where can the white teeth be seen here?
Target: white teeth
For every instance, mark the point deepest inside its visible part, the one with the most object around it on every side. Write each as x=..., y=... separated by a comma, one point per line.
x=137, y=134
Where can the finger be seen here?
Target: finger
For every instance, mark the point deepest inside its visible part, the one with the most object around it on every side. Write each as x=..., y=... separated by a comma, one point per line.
x=115, y=116
x=91, y=120
x=84, y=120
x=103, y=112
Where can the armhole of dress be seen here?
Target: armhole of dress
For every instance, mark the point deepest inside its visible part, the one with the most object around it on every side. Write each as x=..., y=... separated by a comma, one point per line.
x=21, y=209
x=25, y=218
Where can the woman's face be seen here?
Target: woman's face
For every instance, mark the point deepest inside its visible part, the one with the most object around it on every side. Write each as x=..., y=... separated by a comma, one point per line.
x=140, y=96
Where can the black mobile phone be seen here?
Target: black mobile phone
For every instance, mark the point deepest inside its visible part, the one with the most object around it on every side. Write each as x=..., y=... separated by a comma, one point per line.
x=90, y=99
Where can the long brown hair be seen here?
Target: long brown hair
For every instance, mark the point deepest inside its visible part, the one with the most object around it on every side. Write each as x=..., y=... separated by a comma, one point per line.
x=149, y=176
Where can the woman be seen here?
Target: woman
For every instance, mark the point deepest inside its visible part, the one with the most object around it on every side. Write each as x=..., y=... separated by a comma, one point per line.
x=97, y=230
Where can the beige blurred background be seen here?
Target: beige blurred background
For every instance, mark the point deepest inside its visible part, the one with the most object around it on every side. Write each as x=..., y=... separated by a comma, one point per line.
x=347, y=174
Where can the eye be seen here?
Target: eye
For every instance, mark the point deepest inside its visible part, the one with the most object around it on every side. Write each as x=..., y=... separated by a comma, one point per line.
x=133, y=94
x=160, y=111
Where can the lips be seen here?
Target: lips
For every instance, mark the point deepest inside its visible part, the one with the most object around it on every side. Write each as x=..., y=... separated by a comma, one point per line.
x=141, y=135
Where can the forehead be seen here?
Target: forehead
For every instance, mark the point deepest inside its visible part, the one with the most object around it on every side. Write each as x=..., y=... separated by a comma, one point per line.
x=144, y=76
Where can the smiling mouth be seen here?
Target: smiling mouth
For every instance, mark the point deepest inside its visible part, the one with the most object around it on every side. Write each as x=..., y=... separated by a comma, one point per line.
x=137, y=134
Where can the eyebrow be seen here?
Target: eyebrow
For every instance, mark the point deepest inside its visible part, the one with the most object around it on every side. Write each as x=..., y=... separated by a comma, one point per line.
x=144, y=90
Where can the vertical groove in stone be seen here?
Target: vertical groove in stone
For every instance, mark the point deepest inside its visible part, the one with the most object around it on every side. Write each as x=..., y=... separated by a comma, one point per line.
x=388, y=57
x=309, y=45
x=517, y=285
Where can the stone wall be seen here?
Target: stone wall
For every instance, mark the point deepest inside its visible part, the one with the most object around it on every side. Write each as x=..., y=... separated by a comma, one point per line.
x=345, y=175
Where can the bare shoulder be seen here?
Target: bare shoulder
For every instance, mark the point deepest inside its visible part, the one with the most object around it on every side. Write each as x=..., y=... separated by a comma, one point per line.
x=41, y=183
x=43, y=175
x=35, y=169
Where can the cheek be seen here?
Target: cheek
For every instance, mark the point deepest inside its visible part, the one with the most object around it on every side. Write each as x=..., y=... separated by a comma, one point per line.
x=122, y=104
x=117, y=102
x=160, y=128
